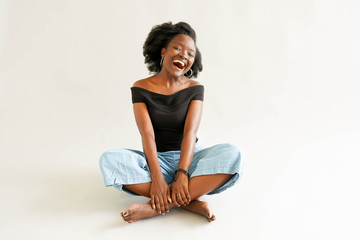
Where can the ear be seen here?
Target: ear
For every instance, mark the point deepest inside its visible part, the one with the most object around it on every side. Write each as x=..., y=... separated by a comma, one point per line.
x=163, y=52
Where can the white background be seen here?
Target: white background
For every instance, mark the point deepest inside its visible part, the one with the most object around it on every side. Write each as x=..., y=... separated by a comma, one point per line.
x=281, y=80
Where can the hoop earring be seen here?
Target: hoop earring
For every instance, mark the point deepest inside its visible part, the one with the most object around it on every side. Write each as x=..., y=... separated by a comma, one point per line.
x=190, y=73
x=161, y=61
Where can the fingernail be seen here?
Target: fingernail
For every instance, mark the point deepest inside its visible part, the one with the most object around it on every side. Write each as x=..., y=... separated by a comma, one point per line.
x=159, y=212
x=168, y=211
x=208, y=214
x=125, y=214
x=163, y=214
x=170, y=200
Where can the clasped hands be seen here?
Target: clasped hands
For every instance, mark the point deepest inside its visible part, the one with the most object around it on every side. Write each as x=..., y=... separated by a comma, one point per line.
x=162, y=195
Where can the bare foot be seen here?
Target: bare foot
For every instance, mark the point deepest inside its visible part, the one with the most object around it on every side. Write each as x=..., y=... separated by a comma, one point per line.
x=138, y=211
x=202, y=208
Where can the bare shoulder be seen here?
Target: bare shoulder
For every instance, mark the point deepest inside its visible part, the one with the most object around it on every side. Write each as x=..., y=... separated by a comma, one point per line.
x=142, y=83
x=194, y=83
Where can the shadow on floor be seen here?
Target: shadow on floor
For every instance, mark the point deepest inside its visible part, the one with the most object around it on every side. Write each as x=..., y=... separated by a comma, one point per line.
x=86, y=195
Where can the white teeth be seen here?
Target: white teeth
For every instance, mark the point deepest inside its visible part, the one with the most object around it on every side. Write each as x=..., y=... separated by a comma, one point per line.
x=182, y=63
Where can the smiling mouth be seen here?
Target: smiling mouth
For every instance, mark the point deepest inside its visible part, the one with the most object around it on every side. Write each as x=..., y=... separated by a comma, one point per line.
x=179, y=64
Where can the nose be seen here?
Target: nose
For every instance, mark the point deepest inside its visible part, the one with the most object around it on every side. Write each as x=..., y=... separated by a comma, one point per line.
x=183, y=55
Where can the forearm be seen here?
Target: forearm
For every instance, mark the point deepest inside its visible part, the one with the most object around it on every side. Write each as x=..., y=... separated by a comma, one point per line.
x=159, y=189
x=187, y=150
x=192, y=123
x=150, y=152
x=181, y=183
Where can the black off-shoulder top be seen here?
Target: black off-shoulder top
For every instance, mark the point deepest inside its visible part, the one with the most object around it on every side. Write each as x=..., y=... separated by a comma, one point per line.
x=168, y=113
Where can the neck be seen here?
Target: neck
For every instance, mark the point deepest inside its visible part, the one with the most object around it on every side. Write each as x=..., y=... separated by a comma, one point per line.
x=168, y=80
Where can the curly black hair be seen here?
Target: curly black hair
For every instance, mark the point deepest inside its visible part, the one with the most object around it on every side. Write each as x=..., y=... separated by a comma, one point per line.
x=159, y=37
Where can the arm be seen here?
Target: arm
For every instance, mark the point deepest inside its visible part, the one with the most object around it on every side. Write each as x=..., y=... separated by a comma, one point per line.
x=146, y=130
x=192, y=123
x=159, y=189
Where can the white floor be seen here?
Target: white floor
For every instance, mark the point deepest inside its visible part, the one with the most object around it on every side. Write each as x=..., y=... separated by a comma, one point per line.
x=288, y=196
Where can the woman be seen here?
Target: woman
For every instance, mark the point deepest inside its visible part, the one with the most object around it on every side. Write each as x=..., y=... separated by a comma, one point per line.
x=173, y=169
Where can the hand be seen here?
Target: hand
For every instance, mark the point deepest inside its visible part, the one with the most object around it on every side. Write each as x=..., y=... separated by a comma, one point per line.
x=160, y=195
x=180, y=190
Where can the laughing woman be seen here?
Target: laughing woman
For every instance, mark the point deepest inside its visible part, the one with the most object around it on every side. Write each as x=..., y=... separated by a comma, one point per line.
x=173, y=169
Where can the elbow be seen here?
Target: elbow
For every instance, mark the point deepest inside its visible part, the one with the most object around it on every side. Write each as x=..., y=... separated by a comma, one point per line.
x=190, y=133
x=147, y=134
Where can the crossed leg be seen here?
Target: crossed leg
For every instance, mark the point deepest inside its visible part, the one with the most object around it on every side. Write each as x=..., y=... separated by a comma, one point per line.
x=198, y=186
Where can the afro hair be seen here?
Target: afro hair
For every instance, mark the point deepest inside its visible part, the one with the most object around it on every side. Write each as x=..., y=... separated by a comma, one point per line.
x=159, y=37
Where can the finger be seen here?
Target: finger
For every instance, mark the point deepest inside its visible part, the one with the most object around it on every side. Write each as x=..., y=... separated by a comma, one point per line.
x=174, y=199
x=166, y=203
x=188, y=197
x=152, y=202
x=180, y=199
x=157, y=203
x=162, y=209
x=184, y=198
x=168, y=196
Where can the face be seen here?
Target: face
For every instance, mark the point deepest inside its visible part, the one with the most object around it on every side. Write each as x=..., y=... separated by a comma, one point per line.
x=179, y=55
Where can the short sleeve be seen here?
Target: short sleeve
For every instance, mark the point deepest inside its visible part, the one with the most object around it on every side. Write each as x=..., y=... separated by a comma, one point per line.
x=137, y=95
x=199, y=93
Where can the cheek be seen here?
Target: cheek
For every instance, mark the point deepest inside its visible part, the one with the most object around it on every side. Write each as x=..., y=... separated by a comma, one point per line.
x=172, y=52
x=191, y=62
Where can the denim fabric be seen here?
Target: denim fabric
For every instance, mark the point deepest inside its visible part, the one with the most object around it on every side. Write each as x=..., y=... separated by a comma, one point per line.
x=126, y=166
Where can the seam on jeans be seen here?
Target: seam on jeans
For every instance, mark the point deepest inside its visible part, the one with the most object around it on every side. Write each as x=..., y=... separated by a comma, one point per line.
x=114, y=181
x=228, y=170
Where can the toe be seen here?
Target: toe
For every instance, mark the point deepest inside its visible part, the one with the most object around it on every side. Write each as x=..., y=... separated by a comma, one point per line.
x=127, y=212
x=208, y=212
x=212, y=218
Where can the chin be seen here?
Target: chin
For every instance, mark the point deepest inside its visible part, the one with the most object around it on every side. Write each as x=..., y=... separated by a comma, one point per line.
x=176, y=74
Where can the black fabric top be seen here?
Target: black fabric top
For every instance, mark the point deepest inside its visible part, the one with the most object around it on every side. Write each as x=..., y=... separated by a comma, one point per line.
x=168, y=113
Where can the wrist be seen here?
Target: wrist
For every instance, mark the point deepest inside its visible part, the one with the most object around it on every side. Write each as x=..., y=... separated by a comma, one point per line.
x=181, y=177
x=182, y=172
x=157, y=176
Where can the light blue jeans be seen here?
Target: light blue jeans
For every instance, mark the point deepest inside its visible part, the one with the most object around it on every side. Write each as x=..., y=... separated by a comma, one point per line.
x=126, y=166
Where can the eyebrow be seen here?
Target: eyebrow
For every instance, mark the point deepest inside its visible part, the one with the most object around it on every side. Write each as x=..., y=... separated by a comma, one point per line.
x=181, y=45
